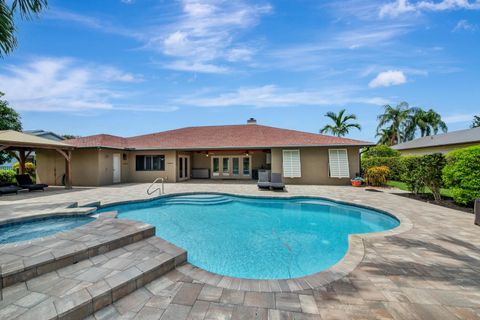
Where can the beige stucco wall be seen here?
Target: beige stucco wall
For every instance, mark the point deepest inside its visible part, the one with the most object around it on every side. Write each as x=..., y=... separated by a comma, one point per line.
x=200, y=161
x=92, y=167
x=170, y=172
x=84, y=164
x=314, y=165
x=50, y=167
x=439, y=149
x=259, y=160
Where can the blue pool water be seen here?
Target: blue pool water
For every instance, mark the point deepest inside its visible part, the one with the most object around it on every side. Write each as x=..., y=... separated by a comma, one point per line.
x=40, y=228
x=268, y=238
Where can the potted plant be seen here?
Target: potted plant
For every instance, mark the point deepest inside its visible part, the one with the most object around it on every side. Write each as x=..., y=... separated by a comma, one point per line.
x=357, y=182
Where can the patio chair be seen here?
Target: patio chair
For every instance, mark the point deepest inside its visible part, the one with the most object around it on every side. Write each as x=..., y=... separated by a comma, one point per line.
x=263, y=181
x=8, y=188
x=277, y=181
x=26, y=182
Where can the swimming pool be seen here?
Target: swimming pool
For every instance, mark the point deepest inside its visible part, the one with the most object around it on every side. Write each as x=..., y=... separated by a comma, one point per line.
x=32, y=229
x=257, y=238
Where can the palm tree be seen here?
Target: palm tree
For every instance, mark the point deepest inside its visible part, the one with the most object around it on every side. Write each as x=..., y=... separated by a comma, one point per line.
x=26, y=9
x=394, y=118
x=475, y=122
x=341, y=125
x=385, y=136
x=427, y=122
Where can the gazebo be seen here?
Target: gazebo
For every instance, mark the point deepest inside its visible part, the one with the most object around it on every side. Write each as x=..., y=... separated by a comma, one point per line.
x=24, y=144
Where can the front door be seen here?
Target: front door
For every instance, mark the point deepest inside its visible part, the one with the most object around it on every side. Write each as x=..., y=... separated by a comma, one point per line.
x=117, y=168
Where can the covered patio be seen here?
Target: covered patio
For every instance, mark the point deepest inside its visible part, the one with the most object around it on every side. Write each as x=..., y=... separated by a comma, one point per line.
x=20, y=145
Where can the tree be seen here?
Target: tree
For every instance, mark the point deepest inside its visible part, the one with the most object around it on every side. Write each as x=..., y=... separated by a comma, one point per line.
x=394, y=119
x=341, y=123
x=475, y=122
x=386, y=136
x=9, y=120
x=26, y=9
x=427, y=122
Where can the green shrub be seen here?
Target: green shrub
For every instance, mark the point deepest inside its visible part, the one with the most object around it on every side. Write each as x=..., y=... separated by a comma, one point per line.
x=377, y=176
x=393, y=163
x=381, y=150
x=29, y=168
x=430, y=173
x=410, y=173
x=7, y=176
x=462, y=174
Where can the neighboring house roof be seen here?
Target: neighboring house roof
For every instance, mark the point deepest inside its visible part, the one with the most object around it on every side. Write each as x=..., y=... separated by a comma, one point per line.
x=19, y=139
x=45, y=134
x=216, y=137
x=454, y=137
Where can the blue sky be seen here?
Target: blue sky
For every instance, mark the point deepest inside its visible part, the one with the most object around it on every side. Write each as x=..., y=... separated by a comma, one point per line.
x=139, y=66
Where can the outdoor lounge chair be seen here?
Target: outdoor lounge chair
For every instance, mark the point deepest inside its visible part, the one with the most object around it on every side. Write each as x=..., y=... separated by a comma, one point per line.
x=277, y=182
x=8, y=188
x=263, y=181
x=26, y=182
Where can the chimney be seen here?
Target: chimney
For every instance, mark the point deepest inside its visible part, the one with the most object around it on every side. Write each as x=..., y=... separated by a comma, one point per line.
x=252, y=121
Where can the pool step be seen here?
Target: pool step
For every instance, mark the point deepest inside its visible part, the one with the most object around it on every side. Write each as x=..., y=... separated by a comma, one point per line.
x=27, y=259
x=79, y=290
x=197, y=200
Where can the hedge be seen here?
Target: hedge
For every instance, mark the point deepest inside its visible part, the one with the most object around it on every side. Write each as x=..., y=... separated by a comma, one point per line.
x=381, y=151
x=7, y=176
x=462, y=174
x=410, y=173
x=393, y=163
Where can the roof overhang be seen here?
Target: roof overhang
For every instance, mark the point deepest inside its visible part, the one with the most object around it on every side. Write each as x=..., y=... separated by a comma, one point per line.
x=228, y=147
x=10, y=139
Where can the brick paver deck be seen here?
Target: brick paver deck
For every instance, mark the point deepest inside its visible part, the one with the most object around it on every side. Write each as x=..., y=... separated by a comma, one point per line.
x=430, y=271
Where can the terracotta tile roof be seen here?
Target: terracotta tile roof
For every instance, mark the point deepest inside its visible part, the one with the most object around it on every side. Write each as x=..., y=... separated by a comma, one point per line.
x=217, y=137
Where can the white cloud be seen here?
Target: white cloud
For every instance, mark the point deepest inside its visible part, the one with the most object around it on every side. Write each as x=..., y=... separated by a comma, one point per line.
x=270, y=96
x=399, y=7
x=239, y=54
x=62, y=84
x=465, y=25
x=192, y=66
x=205, y=34
x=388, y=78
x=103, y=25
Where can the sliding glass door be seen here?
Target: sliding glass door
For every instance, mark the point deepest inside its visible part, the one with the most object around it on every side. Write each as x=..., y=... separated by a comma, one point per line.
x=231, y=167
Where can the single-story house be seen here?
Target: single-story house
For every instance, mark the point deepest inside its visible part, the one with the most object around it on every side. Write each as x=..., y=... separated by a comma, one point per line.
x=440, y=143
x=211, y=152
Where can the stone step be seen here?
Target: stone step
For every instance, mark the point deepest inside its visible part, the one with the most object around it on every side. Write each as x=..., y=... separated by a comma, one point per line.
x=79, y=290
x=27, y=259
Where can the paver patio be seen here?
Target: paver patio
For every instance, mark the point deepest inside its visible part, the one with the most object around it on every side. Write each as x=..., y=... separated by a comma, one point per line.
x=431, y=271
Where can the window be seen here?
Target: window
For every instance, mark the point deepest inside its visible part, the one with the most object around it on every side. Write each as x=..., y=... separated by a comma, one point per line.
x=338, y=163
x=291, y=164
x=246, y=166
x=150, y=163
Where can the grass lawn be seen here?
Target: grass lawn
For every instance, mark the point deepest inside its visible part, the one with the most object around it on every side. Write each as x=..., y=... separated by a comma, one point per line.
x=403, y=186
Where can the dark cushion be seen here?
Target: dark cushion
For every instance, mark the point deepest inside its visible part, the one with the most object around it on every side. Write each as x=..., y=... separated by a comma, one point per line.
x=9, y=189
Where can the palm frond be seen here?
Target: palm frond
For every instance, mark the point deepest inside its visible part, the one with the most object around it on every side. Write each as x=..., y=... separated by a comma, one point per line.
x=27, y=8
x=8, y=41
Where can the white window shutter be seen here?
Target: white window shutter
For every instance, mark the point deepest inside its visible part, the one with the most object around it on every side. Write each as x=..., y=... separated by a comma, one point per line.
x=338, y=163
x=291, y=164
